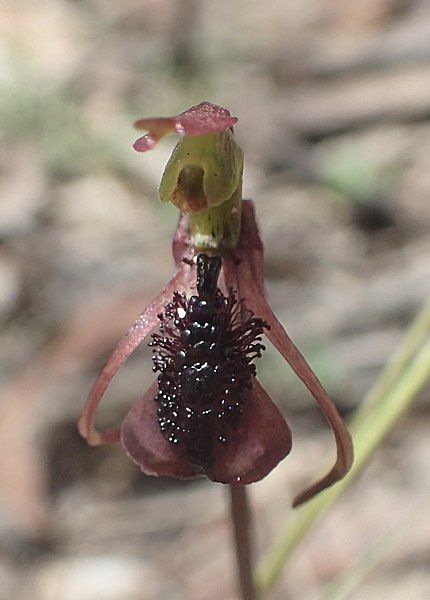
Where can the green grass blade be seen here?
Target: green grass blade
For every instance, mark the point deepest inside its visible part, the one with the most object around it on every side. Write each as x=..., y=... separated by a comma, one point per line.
x=417, y=332
x=395, y=390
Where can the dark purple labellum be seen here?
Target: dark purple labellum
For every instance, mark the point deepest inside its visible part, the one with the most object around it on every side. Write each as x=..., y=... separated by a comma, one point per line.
x=203, y=357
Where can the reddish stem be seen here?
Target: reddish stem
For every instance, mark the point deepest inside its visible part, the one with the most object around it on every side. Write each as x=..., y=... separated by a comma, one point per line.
x=241, y=519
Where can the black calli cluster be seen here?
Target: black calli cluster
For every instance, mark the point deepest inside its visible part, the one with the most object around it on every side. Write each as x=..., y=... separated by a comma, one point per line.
x=204, y=358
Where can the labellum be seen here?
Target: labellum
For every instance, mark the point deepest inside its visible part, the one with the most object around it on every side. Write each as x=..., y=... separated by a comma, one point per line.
x=204, y=357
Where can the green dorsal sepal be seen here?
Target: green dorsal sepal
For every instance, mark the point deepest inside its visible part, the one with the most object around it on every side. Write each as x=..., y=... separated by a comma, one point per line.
x=203, y=178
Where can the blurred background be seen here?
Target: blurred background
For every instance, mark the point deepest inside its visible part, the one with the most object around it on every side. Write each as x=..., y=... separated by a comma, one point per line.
x=333, y=98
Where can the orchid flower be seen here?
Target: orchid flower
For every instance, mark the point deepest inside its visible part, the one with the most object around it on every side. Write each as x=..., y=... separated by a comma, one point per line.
x=207, y=413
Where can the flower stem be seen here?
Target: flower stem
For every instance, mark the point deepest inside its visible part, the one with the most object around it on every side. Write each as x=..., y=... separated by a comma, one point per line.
x=241, y=519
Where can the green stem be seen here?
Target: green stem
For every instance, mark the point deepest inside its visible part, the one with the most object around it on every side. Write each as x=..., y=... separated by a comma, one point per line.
x=241, y=520
x=389, y=399
x=414, y=337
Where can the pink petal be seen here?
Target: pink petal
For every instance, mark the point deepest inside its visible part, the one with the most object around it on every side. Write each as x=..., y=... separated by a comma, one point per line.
x=146, y=445
x=250, y=253
x=157, y=129
x=198, y=120
x=182, y=282
x=204, y=118
x=262, y=440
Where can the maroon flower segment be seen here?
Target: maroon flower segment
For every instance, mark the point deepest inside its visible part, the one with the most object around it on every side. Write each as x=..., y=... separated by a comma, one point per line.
x=198, y=120
x=247, y=266
x=183, y=281
x=204, y=358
